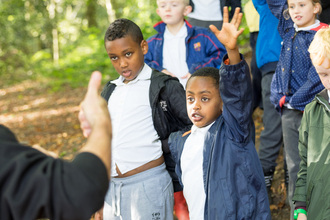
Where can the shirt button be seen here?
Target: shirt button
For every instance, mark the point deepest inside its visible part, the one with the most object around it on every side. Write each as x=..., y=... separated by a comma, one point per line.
x=282, y=69
x=293, y=71
x=288, y=48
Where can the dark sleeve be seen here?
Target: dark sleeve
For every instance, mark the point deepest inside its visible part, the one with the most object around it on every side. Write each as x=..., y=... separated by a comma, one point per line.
x=33, y=185
x=236, y=94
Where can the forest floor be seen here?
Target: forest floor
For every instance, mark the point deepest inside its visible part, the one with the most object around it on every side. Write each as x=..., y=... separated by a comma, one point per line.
x=49, y=119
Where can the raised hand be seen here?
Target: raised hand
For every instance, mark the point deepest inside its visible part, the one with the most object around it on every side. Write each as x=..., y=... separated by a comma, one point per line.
x=229, y=32
x=93, y=108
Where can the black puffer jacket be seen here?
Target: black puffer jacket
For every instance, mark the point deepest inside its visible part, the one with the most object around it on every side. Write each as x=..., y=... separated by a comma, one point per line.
x=169, y=114
x=325, y=15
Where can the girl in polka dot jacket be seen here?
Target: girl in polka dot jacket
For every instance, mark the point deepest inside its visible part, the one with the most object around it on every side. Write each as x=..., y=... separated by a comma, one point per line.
x=295, y=82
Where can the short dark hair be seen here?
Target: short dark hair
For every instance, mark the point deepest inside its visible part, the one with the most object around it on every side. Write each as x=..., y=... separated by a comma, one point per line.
x=121, y=28
x=211, y=72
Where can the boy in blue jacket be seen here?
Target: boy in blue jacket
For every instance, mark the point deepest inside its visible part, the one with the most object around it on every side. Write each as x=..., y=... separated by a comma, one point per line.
x=216, y=162
x=180, y=49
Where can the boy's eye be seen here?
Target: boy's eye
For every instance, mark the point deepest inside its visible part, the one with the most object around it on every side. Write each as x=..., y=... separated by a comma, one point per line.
x=204, y=99
x=113, y=58
x=128, y=54
x=302, y=5
x=291, y=6
x=190, y=99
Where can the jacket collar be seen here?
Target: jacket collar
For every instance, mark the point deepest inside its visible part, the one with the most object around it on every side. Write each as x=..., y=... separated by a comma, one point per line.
x=160, y=27
x=323, y=99
x=324, y=94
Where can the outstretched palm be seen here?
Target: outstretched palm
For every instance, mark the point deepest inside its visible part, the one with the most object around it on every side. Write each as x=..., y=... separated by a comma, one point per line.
x=229, y=32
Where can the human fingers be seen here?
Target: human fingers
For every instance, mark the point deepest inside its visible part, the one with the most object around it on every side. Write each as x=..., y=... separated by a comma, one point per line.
x=225, y=15
x=214, y=29
x=238, y=21
x=235, y=16
x=186, y=76
x=94, y=84
x=239, y=32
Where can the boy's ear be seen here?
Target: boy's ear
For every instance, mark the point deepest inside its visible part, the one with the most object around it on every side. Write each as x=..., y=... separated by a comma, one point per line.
x=157, y=10
x=187, y=10
x=144, y=47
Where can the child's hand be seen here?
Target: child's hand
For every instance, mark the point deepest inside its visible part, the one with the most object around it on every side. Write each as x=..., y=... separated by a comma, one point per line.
x=168, y=72
x=229, y=32
x=186, y=76
x=302, y=216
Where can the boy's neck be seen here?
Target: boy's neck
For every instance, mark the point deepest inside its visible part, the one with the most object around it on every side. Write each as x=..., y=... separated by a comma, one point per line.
x=175, y=28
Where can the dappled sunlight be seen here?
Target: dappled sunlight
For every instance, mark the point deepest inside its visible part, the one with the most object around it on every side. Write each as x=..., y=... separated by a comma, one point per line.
x=33, y=115
x=20, y=87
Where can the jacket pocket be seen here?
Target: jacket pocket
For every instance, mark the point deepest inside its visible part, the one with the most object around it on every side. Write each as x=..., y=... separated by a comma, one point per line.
x=227, y=198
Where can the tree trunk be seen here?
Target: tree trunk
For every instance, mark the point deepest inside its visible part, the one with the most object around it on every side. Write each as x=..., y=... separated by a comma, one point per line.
x=91, y=13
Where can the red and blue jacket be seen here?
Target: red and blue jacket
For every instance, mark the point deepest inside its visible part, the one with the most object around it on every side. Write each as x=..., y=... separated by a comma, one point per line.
x=203, y=49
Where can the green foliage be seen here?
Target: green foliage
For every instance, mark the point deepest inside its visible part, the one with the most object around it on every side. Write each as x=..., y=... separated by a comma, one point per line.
x=27, y=38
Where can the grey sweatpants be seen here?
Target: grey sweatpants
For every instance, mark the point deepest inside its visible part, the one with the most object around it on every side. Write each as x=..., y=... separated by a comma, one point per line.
x=146, y=195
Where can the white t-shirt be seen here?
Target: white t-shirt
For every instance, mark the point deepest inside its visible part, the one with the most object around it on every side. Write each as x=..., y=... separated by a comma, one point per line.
x=206, y=10
x=135, y=141
x=192, y=172
x=174, y=53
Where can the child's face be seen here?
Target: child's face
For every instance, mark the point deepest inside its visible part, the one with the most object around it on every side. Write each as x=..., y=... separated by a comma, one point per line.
x=172, y=11
x=127, y=56
x=324, y=73
x=204, y=103
x=303, y=12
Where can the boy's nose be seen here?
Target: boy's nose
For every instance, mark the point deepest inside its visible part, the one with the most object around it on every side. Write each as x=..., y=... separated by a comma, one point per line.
x=196, y=106
x=123, y=63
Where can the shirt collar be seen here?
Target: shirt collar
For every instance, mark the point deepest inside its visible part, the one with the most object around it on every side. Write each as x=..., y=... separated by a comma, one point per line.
x=316, y=24
x=203, y=130
x=145, y=74
x=182, y=32
x=328, y=95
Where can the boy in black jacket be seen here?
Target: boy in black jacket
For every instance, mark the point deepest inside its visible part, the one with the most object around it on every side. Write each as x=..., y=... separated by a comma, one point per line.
x=146, y=106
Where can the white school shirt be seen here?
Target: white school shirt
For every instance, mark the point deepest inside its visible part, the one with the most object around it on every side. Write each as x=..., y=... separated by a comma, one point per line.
x=192, y=172
x=328, y=95
x=135, y=141
x=174, y=53
x=206, y=10
x=310, y=27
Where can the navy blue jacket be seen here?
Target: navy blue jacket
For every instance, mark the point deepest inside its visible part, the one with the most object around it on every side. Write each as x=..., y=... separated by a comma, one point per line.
x=295, y=76
x=232, y=174
x=269, y=41
x=203, y=49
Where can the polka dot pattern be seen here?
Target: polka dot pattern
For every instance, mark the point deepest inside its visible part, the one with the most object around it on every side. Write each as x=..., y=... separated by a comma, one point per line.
x=295, y=76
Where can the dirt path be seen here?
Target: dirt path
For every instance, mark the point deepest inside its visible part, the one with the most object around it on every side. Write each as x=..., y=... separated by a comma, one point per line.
x=40, y=117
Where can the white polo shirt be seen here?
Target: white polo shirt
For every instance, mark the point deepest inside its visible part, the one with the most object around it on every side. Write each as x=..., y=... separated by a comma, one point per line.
x=206, y=10
x=135, y=141
x=174, y=53
x=192, y=172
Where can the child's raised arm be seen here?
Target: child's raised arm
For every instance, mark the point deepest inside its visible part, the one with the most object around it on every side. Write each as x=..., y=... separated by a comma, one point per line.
x=229, y=34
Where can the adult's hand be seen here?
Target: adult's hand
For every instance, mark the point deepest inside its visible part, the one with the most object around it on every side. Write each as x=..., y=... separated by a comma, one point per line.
x=95, y=122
